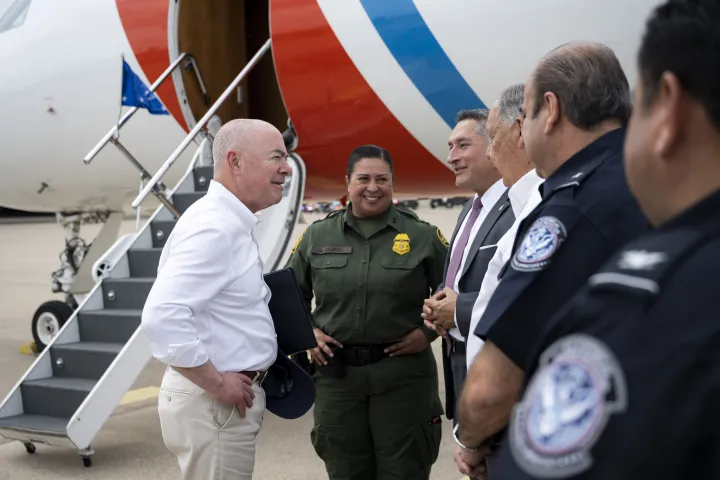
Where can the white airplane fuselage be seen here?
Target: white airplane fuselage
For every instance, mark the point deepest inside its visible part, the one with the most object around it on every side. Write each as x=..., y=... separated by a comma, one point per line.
x=348, y=72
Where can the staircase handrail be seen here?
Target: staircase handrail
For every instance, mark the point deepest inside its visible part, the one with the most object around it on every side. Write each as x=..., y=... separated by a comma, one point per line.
x=200, y=125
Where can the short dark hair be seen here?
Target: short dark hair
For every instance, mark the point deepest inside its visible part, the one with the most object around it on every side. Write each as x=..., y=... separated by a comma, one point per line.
x=480, y=115
x=589, y=82
x=368, y=151
x=683, y=37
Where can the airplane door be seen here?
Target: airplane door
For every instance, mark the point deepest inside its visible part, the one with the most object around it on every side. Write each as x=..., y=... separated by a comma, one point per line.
x=277, y=223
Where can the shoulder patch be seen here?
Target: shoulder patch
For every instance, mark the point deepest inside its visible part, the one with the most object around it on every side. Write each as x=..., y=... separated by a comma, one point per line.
x=441, y=237
x=298, y=242
x=578, y=386
x=544, y=237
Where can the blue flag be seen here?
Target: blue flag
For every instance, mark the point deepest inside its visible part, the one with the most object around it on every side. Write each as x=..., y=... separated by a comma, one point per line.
x=136, y=94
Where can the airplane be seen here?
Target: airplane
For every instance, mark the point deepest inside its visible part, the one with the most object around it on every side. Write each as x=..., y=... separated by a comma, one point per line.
x=330, y=74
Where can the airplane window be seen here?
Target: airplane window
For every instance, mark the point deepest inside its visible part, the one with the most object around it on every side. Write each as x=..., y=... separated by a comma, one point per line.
x=15, y=15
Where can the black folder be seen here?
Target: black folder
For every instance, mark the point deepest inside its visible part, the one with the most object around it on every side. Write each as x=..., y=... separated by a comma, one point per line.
x=293, y=325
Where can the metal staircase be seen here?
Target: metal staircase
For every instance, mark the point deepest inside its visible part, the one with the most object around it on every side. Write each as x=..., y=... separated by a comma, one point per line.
x=75, y=384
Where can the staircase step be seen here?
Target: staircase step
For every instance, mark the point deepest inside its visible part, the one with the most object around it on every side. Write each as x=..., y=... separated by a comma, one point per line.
x=83, y=359
x=55, y=396
x=114, y=326
x=126, y=293
x=144, y=262
x=35, y=423
x=161, y=231
x=202, y=175
x=183, y=201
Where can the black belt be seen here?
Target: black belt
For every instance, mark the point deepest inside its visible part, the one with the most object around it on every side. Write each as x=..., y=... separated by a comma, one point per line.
x=361, y=355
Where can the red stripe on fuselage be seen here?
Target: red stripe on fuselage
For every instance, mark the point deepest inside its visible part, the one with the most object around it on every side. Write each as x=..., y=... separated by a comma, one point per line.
x=335, y=110
x=145, y=23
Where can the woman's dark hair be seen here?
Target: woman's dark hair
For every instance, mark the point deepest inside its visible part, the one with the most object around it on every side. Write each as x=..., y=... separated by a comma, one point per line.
x=368, y=151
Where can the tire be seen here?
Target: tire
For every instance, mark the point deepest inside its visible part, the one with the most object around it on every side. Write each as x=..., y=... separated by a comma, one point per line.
x=48, y=320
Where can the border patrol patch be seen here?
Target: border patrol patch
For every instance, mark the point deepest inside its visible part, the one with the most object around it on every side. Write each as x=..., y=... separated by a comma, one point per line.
x=569, y=400
x=297, y=243
x=540, y=243
x=441, y=237
x=401, y=244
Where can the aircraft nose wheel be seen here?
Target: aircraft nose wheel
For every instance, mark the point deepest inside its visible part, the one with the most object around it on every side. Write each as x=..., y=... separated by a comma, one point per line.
x=48, y=320
x=87, y=461
x=30, y=448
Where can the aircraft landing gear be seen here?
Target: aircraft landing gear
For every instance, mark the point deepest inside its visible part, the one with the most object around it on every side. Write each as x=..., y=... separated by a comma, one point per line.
x=48, y=320
x=52, y=315
x=30, y=447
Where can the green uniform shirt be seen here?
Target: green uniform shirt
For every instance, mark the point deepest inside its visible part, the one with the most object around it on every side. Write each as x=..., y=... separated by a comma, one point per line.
x=369, y=277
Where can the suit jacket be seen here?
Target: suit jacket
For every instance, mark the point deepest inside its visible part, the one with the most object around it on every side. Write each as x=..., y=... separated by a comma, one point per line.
x=496, y=223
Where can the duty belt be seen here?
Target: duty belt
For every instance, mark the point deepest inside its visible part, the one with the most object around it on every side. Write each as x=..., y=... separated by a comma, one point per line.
x=361, y=355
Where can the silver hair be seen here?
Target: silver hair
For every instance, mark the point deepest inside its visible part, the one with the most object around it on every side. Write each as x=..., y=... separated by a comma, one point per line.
x=510, y=103
x=480, y=115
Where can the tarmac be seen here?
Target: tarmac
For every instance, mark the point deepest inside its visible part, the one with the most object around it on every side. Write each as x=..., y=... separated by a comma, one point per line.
x=130, y=445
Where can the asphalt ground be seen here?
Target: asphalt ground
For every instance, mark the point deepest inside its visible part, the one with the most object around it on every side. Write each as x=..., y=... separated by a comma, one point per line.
x=130, y=446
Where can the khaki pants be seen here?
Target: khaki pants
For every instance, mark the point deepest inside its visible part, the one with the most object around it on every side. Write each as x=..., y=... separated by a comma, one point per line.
x=210, y=439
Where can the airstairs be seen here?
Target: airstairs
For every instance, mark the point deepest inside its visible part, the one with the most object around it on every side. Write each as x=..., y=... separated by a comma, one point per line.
x=76, y=383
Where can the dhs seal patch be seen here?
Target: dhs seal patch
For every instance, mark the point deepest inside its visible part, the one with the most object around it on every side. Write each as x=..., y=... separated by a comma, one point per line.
x=539, y=245
x=569, y=400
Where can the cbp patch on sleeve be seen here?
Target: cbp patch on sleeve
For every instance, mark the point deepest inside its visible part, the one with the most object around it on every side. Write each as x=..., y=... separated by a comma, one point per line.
x=441, y=237
x=297, y=243
x=577, y=387
x=542, y=240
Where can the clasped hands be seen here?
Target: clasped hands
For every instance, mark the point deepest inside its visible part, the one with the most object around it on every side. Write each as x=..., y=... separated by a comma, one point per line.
x=439, y=311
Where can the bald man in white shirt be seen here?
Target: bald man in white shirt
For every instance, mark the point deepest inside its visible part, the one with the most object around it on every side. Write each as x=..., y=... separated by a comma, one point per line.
x=506, y=151
x=207, y=314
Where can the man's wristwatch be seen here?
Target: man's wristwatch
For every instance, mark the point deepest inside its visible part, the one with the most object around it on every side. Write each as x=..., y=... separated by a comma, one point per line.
x=457, y=440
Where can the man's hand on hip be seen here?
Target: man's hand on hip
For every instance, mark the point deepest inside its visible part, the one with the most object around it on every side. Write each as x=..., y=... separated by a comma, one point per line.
x=236, y=389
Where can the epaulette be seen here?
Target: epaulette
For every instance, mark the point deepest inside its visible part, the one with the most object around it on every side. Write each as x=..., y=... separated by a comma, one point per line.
x=410, y=214
x=334, y=213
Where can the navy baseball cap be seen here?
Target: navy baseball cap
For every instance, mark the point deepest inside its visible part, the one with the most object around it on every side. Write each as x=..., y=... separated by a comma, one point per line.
x=289, y=389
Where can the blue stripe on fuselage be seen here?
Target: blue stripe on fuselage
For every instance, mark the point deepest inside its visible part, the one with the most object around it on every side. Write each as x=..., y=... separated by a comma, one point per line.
x=415, y=48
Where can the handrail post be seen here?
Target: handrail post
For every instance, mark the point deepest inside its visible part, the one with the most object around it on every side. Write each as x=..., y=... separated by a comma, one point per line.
x=200, y=125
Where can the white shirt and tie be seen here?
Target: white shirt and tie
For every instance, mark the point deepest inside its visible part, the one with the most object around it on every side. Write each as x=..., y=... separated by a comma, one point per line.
x=524, y=197
x=488, y=200
x=210, y=302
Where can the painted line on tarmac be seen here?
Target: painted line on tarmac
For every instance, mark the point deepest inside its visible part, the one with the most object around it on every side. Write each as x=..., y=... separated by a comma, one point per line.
x=140, y=394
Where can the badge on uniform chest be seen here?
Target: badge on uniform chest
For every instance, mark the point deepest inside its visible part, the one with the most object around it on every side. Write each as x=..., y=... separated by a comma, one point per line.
x=401, y=244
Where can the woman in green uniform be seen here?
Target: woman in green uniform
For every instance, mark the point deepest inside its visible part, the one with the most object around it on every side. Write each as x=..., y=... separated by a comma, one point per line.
x=370, y=266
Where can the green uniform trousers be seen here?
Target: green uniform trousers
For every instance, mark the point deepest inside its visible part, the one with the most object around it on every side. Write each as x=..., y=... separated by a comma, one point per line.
x=380, y=422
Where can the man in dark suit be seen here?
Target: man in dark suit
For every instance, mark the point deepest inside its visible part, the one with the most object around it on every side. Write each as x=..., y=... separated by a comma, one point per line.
x=483, y=221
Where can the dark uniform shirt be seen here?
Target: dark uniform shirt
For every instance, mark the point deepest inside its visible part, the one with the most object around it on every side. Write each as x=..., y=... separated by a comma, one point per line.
x=586, y=214
x=369, y=277
x=628, y=385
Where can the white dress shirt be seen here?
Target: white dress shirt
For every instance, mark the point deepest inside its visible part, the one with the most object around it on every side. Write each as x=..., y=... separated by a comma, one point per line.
x=488, y=200
x=210, y=301
x=524, y=197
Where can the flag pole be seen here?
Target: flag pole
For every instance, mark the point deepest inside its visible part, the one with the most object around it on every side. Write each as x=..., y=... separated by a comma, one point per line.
x=116, y=132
